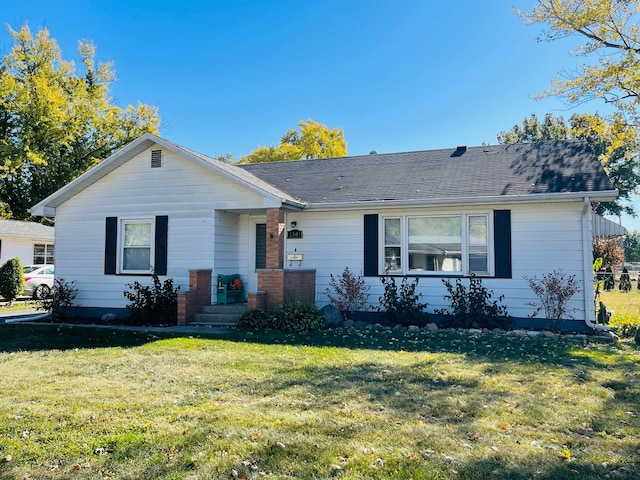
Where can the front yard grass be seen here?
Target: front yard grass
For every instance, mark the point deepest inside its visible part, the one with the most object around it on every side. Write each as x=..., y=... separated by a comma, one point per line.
x=82, y=402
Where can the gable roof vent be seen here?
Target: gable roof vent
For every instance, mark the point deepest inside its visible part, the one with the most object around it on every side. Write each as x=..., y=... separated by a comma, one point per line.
x=156, y=158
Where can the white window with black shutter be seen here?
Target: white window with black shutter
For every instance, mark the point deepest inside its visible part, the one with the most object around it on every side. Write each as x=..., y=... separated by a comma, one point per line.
x=447, y=244
x=136, y=245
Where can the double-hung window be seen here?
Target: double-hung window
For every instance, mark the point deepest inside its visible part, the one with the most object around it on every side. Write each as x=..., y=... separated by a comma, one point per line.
x=431, y=244
x=137, y=246
x=43, y=254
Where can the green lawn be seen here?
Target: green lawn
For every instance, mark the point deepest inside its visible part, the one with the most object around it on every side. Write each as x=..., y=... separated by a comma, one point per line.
x=80, y=402
x=626, y=310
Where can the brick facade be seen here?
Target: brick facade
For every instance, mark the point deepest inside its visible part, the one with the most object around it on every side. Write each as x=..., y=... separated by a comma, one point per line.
x=276, y=285
x=275, y=237
x=198, y=295
x=284, y=286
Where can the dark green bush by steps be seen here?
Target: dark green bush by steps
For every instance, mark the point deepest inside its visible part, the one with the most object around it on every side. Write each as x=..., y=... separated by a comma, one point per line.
x=292, y=317
x=254, y=319
x=297, y=317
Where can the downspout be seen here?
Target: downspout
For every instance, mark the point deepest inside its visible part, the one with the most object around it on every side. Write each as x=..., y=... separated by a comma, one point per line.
x=587, y=248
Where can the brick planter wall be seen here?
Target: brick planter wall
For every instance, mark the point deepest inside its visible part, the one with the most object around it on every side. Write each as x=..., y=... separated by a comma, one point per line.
x=284, y=286
x=198, y=295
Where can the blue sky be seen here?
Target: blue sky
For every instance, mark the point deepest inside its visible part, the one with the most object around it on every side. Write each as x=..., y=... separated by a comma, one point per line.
x=228, y=76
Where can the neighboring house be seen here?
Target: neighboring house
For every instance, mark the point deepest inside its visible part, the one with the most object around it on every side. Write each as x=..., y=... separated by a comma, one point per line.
x=31, y=242
x=502, y=212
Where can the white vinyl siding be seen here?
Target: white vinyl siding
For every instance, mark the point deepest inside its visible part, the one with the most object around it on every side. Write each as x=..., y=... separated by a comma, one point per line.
x=544, y=237
x=191, y=196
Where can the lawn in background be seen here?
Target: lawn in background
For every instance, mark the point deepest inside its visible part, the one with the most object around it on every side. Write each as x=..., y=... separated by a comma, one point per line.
x=82, y=402
x=626, y=310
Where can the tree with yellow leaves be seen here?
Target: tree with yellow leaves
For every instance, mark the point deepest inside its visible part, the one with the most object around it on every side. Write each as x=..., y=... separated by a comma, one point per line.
x=55, y=122
x=313, y=140
x=611, y=33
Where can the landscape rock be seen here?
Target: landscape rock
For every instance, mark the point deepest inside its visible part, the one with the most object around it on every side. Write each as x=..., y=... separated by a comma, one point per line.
x=108, y=318
x=432, y=327
x=332, y=316
x=359, y=324
x=413, y=328
x=518, y=333
x=475, y=330
x=348, y=323
x=398, y=326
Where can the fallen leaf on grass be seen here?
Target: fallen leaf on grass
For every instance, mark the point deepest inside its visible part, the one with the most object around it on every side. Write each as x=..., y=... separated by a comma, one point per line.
x=566, y=454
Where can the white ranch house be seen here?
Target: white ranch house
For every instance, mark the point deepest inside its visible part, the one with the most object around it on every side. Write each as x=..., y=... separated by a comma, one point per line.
x=31, y=242
x=502, y=212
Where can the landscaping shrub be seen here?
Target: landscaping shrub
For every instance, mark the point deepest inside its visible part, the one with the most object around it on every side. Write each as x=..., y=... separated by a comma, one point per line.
x=625, y=281
x=254, y=319
x=11, y=279
x=401, y=305
x=153, y=305
x=61, y=299
x=473, y=308
x=554, y=291
x=297, y=317
x=348, y=292
x=609, y=280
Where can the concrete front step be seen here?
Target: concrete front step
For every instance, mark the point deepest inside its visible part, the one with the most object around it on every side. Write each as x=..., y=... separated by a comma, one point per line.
x=219, y=315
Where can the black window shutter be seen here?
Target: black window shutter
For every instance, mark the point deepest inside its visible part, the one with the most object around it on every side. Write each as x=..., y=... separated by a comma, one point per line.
x=110, y=245
x=502, y=242
x=371, y=245
x=261, y=245
x=160, y=260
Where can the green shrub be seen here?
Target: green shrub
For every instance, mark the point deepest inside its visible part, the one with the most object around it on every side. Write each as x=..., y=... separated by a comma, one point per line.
x=153, y=305
x=473, y=308
x=625, y=281
x=609, y=280
x=254, y=319
x=297, y=317
x=11, y=279
x=401, y=305
x=61, y=299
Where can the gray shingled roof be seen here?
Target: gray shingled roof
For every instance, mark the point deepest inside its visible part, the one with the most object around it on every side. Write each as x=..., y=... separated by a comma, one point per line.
x=553, y=167
x=18, y=228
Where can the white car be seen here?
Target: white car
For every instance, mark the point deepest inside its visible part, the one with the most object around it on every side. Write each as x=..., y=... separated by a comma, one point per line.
x=38, y=281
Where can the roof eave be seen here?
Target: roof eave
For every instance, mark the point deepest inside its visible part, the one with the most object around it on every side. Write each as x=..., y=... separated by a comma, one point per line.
x=602, y=196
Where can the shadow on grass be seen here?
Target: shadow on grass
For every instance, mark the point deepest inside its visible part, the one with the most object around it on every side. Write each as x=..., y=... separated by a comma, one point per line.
x=497, y=349
x=17, y=337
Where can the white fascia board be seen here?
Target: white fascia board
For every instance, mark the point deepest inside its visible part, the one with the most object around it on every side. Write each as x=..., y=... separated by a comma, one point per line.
x=496, y=200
